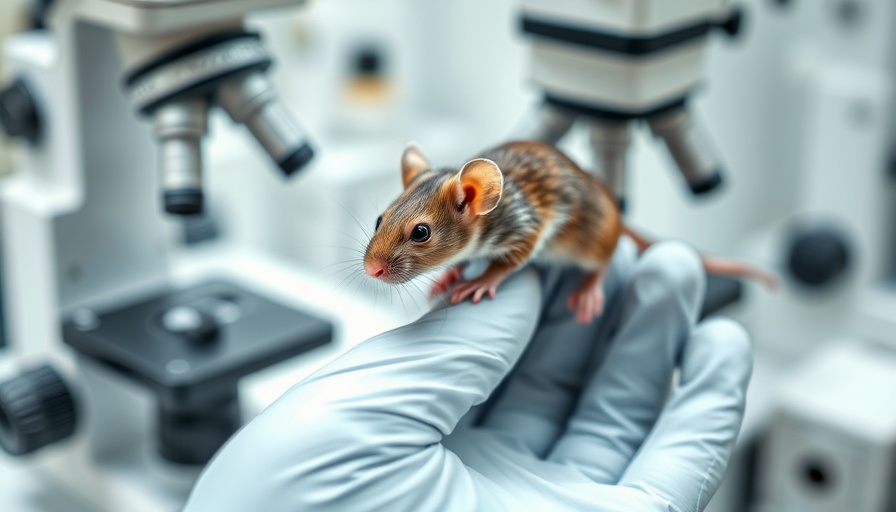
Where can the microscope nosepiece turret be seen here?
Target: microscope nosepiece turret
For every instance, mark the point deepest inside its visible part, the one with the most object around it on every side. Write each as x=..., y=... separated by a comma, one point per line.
x=177, y=87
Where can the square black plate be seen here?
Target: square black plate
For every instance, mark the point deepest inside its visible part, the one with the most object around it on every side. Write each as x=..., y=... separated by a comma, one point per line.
x=254, y=332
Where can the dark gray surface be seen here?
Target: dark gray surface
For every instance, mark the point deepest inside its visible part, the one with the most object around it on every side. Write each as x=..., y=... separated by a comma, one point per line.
x=193, y=368
x=133, y=340
x=721, y=291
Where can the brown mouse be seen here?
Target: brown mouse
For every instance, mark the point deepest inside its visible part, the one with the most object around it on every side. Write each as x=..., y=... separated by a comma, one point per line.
x=516, y=203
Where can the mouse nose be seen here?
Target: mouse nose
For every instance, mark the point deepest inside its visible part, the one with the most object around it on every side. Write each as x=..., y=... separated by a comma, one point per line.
x=374, y=269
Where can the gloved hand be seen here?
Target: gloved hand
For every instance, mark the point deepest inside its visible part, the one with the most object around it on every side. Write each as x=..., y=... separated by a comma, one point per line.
x=418, y=418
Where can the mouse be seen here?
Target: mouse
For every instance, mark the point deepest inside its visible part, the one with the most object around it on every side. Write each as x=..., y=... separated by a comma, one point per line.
x=518, y=202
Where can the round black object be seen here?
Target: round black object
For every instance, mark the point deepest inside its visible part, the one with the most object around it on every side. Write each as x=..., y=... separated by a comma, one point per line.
x=19, y=116
x=816, y=474
x=184, y=201
x=297, y=160
x=368, y=61
x=707, y=184
x=36, y=409
x=818, y=256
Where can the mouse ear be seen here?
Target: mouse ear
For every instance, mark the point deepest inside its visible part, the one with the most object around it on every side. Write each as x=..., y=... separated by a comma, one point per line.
x=480, y=185
x=412, y=164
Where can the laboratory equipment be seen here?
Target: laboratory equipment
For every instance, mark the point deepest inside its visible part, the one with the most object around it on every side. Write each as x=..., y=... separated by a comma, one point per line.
x=831, y=441
x=824, y=218
x=830, y=221
x=611, y=64
x=13, y=19
x=175, y=79
x=122, y=376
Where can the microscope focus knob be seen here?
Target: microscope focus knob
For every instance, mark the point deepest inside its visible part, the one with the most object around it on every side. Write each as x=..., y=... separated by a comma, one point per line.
x=36, y=409
x=19, y=116
x=818, y=256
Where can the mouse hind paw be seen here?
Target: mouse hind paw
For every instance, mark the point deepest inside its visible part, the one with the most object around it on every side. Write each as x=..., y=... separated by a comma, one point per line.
x=587, y=301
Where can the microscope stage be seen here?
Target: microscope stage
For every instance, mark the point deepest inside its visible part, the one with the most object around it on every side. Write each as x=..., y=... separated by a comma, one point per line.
x=206, y=335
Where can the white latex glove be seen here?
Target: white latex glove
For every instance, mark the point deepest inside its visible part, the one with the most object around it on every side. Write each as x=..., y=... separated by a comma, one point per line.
x=589, y=418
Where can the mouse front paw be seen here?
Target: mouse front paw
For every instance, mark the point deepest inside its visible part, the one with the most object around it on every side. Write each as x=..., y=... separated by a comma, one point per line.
x=486, y=284
x=445, y=282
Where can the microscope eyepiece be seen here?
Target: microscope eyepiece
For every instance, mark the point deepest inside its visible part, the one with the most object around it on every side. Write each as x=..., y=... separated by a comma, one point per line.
x=178, y=87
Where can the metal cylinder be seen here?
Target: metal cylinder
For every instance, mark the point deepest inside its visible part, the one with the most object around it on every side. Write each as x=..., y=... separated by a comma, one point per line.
x=179, y=126
x=691, y=151
x=250, y=99
x=609, y=142
x=551, y=123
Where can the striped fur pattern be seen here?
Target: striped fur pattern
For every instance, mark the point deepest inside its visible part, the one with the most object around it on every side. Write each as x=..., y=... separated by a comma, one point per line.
x=549, y=209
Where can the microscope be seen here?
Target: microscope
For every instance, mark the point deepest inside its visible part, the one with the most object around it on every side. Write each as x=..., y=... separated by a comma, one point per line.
x=121, y=381
x=828, y=443
x=831, y=228
x=612, y=63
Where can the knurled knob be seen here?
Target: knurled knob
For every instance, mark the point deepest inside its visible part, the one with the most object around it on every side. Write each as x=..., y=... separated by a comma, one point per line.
x=36, y=409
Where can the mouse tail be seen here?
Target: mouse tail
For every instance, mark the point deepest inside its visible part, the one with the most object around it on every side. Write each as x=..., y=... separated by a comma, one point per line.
x=641, y=242
x=713, y=265
x=728, y=267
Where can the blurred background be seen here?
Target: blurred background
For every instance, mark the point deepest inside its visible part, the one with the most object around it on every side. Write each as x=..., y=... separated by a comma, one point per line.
x=795, y=103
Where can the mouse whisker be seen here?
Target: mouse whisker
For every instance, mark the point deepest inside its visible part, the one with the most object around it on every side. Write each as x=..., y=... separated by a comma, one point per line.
x=364, y=230
x=353, y=238
x=335, y=274
x=357, y=261
x=421, y=293
x=355, y=218
x=415, y=296
x=377, y=287
x=357, y=288
x=358, y=283
x=342, y=265
x=355, y=249
x=352, y=275
x=404, y=306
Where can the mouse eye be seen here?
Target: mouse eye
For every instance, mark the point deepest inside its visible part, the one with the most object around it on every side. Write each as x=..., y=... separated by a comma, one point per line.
x=379, y=220
x=421, y=233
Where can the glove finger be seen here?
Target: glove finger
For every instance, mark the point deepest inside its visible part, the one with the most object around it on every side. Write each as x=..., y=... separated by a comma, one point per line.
x=365, y=429
x=426, y=375
x=628, y=389
x=536, y=400
x=697, y=429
